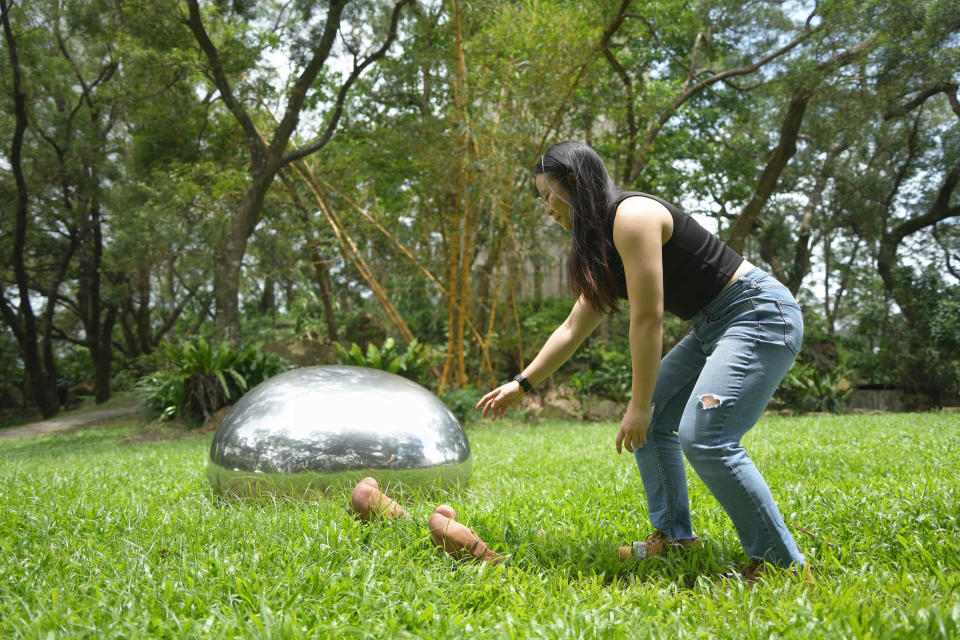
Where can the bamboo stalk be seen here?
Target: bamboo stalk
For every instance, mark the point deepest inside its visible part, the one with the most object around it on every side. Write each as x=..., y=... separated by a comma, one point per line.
x=352, y=252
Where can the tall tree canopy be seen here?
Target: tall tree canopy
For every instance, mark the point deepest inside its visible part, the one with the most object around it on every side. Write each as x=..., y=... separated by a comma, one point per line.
x=352, y=170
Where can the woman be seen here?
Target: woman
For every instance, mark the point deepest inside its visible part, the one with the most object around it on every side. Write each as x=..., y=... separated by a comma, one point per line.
x=711, y=388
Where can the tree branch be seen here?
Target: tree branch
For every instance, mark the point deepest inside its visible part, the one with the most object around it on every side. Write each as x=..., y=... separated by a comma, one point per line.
x=656, y=36
x=341, y=95
x=784, y=150
x=946, y=252
x=954, y=102
x=939, y=210
x=195, y=22
x=601, y=44
x=654, y=129
x=631, y=115
x=786, y=147
x=298, y=92
x=949, y=88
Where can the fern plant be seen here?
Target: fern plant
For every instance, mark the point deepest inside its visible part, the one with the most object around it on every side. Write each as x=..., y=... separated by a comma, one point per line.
x=199, y=378
x=414, y=362
x=806, y=389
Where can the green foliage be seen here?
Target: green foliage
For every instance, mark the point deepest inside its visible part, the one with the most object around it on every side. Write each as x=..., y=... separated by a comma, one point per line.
x=74, y=367
x=11, y=364
x=806, y=389
x=608, y=374
x=538, y=319
x=462, y=403
x=414, y=362
x=361, y=327
x=199, y=378
x=541, y=317
x=129, y=541
x=123, y=380
x=923, y=355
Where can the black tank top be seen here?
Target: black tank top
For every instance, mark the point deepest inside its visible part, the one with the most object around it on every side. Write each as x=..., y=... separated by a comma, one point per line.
x=696, y=264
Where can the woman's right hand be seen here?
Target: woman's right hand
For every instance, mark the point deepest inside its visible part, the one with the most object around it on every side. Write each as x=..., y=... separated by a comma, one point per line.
x=499, y=399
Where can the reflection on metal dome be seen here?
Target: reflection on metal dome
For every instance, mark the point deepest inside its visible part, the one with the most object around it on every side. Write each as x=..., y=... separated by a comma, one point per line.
x=315, y=429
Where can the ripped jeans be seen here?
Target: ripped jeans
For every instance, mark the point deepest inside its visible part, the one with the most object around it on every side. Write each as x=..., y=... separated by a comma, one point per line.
x=711, y=389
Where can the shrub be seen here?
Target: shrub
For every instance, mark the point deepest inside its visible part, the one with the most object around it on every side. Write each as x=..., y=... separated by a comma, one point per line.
x=197, y=379
x=608, y=374
x=413, y=363
x=919, y=352
x=462, y=402
x=538, y=319
x=806, y=389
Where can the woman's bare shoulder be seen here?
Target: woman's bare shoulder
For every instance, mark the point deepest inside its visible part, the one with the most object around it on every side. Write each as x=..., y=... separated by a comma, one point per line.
x=639, y=214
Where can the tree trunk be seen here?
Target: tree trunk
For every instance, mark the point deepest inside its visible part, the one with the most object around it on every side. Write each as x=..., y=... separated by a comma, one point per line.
x=804, y=246
x=44, y=394
x=322, y=271
x=456, y=235
x=267, y=159
x=785, y=149
x=103, y=358
x=939, y=210
x=226, y=279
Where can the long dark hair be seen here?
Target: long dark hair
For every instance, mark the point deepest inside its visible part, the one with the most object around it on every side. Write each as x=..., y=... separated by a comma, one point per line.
x=596, y=271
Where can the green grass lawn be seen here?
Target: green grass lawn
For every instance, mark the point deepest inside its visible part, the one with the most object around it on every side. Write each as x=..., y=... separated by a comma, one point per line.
x=103, y=539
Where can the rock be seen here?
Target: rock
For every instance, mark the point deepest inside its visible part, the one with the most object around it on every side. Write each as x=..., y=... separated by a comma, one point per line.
x=604, y=410
x=782, y=413
x=216, y=419
x=917, y=402
x=531, y=403
x=560, y=402
x=303, y=353
x=85, y=388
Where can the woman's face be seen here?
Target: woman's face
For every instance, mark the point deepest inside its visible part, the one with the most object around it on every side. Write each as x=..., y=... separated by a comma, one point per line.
x=555, y=199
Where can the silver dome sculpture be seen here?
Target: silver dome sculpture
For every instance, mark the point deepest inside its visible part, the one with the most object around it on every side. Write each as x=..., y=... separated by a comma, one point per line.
x=313, y=430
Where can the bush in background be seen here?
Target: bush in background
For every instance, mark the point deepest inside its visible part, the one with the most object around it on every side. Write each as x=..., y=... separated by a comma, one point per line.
x=462, y=403
x=197, y=379
x=413, y=362
x=608, y=374
x=806, y=389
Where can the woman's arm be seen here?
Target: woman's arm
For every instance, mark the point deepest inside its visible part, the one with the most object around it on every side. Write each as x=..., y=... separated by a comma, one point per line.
x=558, y=348
x=639, y=231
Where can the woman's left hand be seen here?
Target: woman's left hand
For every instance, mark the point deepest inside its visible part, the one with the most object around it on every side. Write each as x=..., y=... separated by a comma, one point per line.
x=499, y=399
x=633, y=427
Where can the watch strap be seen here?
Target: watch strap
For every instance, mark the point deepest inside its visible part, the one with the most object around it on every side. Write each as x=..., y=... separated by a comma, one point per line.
x=524, y=383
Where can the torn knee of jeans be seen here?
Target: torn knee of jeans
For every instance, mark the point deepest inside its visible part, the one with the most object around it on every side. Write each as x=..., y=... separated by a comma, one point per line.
x=710, y=401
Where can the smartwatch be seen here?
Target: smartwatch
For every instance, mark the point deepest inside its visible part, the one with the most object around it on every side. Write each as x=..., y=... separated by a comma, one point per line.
x=524, y=383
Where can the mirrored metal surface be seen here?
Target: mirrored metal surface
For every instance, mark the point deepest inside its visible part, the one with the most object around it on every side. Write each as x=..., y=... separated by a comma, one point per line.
x=315, y=429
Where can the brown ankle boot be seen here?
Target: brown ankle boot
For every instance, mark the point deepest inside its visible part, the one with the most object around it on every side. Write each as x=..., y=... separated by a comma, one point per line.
x=757, y=569
x=656, y=544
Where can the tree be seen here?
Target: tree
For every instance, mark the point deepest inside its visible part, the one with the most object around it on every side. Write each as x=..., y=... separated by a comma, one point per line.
x=41, y=371
x=313, y=49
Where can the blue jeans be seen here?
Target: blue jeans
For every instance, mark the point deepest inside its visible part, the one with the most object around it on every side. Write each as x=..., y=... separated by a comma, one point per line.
x=711, y=389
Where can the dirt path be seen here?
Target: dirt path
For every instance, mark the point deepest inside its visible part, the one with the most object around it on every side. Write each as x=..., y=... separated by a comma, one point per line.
x=68, y=422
